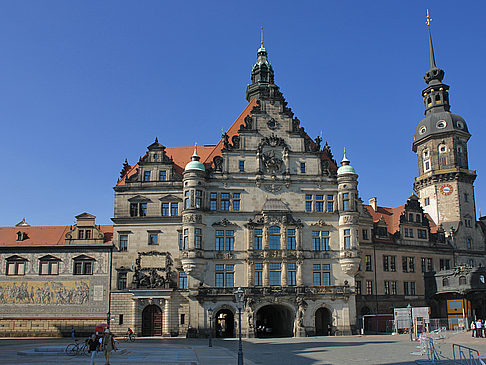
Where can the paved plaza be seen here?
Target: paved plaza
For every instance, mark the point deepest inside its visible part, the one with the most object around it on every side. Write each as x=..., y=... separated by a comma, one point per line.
x=282, y=351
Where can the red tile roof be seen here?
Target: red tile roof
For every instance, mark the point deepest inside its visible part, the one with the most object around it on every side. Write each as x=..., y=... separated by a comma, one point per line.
x=44, y=235
x=392, y=217
x=182, y=155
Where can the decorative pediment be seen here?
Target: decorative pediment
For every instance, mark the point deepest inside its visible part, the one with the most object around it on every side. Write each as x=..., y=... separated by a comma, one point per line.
x=84, y=257
x=16, y=258
x=139, y=199
x=170, y=198
x=272, y=141
x=224, y=223
x=49, y=258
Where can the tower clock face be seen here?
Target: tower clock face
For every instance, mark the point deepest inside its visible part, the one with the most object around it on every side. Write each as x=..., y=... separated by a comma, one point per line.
x=446, y=189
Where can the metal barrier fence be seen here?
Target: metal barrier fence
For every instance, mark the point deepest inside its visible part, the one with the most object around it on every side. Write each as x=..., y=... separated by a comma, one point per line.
x=466, y=355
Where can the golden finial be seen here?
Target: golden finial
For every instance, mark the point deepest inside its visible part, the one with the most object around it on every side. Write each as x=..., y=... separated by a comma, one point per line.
x=428, y=18
x=261, y=32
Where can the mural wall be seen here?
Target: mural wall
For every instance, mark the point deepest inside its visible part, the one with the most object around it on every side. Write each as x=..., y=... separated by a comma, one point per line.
x=44, y=292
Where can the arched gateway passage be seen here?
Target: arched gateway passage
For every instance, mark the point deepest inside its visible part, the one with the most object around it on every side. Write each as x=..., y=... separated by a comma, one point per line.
x=225, y=323
x=152, y=321
x=274, y=321
x=323, y=322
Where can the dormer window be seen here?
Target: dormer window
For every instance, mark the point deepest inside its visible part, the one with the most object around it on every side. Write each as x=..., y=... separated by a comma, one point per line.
x=162, y=175
x=21, y=236
x=441, y=124
x=146, y=176
x=417, y=218
x=156, y=157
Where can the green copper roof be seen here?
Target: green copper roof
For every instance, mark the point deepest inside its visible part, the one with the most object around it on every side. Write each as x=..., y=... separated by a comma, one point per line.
x=195, y=164
x=345, y=168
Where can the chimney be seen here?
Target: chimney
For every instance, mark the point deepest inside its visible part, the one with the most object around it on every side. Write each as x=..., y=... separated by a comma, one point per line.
x=373, y=203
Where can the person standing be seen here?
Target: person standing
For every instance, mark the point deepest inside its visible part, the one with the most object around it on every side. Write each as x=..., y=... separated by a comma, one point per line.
x=93, y=346
x=108, y=345
x=473, y=328
x=479, y=328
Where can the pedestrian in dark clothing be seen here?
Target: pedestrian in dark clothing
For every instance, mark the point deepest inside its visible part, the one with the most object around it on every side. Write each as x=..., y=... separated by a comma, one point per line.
x=93, y=347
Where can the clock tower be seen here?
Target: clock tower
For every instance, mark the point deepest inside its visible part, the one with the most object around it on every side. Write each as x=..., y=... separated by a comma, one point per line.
x=445, y=183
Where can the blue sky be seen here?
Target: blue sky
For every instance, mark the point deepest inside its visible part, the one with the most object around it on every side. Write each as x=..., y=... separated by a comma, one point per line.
x=86, y=84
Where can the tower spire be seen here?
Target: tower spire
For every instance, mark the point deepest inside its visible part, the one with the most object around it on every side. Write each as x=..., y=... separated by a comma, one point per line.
x=431, y=47
x=261, y=31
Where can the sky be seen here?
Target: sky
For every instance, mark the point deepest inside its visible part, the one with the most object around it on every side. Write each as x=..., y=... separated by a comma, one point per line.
x=85, y=85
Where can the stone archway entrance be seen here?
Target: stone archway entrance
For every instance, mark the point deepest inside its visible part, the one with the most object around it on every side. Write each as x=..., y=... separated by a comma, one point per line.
x=323, y=322
x=274, y=321
x=152, y=321
x=225, y=323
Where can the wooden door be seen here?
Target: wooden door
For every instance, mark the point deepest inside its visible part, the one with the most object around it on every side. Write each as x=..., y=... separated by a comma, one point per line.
x=152, y=321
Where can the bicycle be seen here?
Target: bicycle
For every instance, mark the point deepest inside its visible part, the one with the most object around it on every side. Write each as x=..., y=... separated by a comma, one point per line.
x=128, y=337
x=77, y=348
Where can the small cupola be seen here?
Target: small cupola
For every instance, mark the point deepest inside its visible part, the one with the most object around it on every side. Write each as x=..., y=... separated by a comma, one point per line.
x=195, y=164
x=345, y=168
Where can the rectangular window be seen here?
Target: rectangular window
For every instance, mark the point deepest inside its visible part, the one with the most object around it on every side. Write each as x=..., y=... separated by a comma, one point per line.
x=186, y=239
x=236, y=202
x=49, y=267
x=408, y=264
x=319, y=203
x=290, y=239
x=410, y=217
x=421, y=233
x=430, y=265
x=162, y=175
x=410, y=232
x=198, y=238
x=165, y=209
x=88, y=234
x=274, y=268
x=257, y=242
x=321, y=274
x=274, y=238
x=423, y=264
x=213, y=201
x=81, y=234
x=143, y=209
x=242, y=166
x=198, y=199
x=347, y=239
x=393, y=263
x=258, y=274
x=365, y=235
x=387, y=287
x=330, y=203
x=369, y=287
x=187, y=201
x=358, y=287
x=82, y=267
x=308, y=203
x=174, y=209
x=345, y=201
x=386, y=263
x=122, y=280
x=394, y=287
x=445, y=264
x=183, y=318
x=291, y=271
x=225, y=240
x=153, y=239
x=417, y=218
x=302, y=167
x=182, y=280
x=146, y=176
x=123, y=243
x=320, y=240
x=368, y=263
x=224, y=275
x=225, y=201
x=427, y=201
x=181, y=244
x=120, y=319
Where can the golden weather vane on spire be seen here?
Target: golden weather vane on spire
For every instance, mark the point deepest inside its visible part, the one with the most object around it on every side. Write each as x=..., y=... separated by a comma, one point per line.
x=261, y=33
x=428, y=18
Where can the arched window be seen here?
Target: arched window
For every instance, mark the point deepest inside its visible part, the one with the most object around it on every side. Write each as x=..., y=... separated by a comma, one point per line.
x=274, y=238
x=462, y=280
x=445, y=282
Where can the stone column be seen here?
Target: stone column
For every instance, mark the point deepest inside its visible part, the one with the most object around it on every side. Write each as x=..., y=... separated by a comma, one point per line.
x=298, y=238
x=284, y=273
x=266, y=273
x=283, y=238
x=250, y=271
x=167, y=316
x=300, y=274
x=265, y=238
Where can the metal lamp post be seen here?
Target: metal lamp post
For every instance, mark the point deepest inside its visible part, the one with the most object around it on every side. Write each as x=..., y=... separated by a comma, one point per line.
x=239, y=296
x=409, y=307
x=210, y=313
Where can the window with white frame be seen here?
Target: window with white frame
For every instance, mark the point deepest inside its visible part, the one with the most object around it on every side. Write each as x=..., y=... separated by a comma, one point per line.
x=258, y=277
x=224, y=275
x=291, y=273
x=257, y=239
x=275, y=273
x=49, y=265
x=321, y=274
x=16, y=265
x=225, y=240
x=320, y=240
x=291, y=239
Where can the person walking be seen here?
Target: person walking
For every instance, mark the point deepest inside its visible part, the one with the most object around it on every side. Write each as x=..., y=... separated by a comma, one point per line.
x=473, y=328
x=108, y=345
x=93, y=346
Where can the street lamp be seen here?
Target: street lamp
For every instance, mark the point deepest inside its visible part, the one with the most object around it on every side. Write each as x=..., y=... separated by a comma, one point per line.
x=239, y=294
x=409, y=307
x=210, y=313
